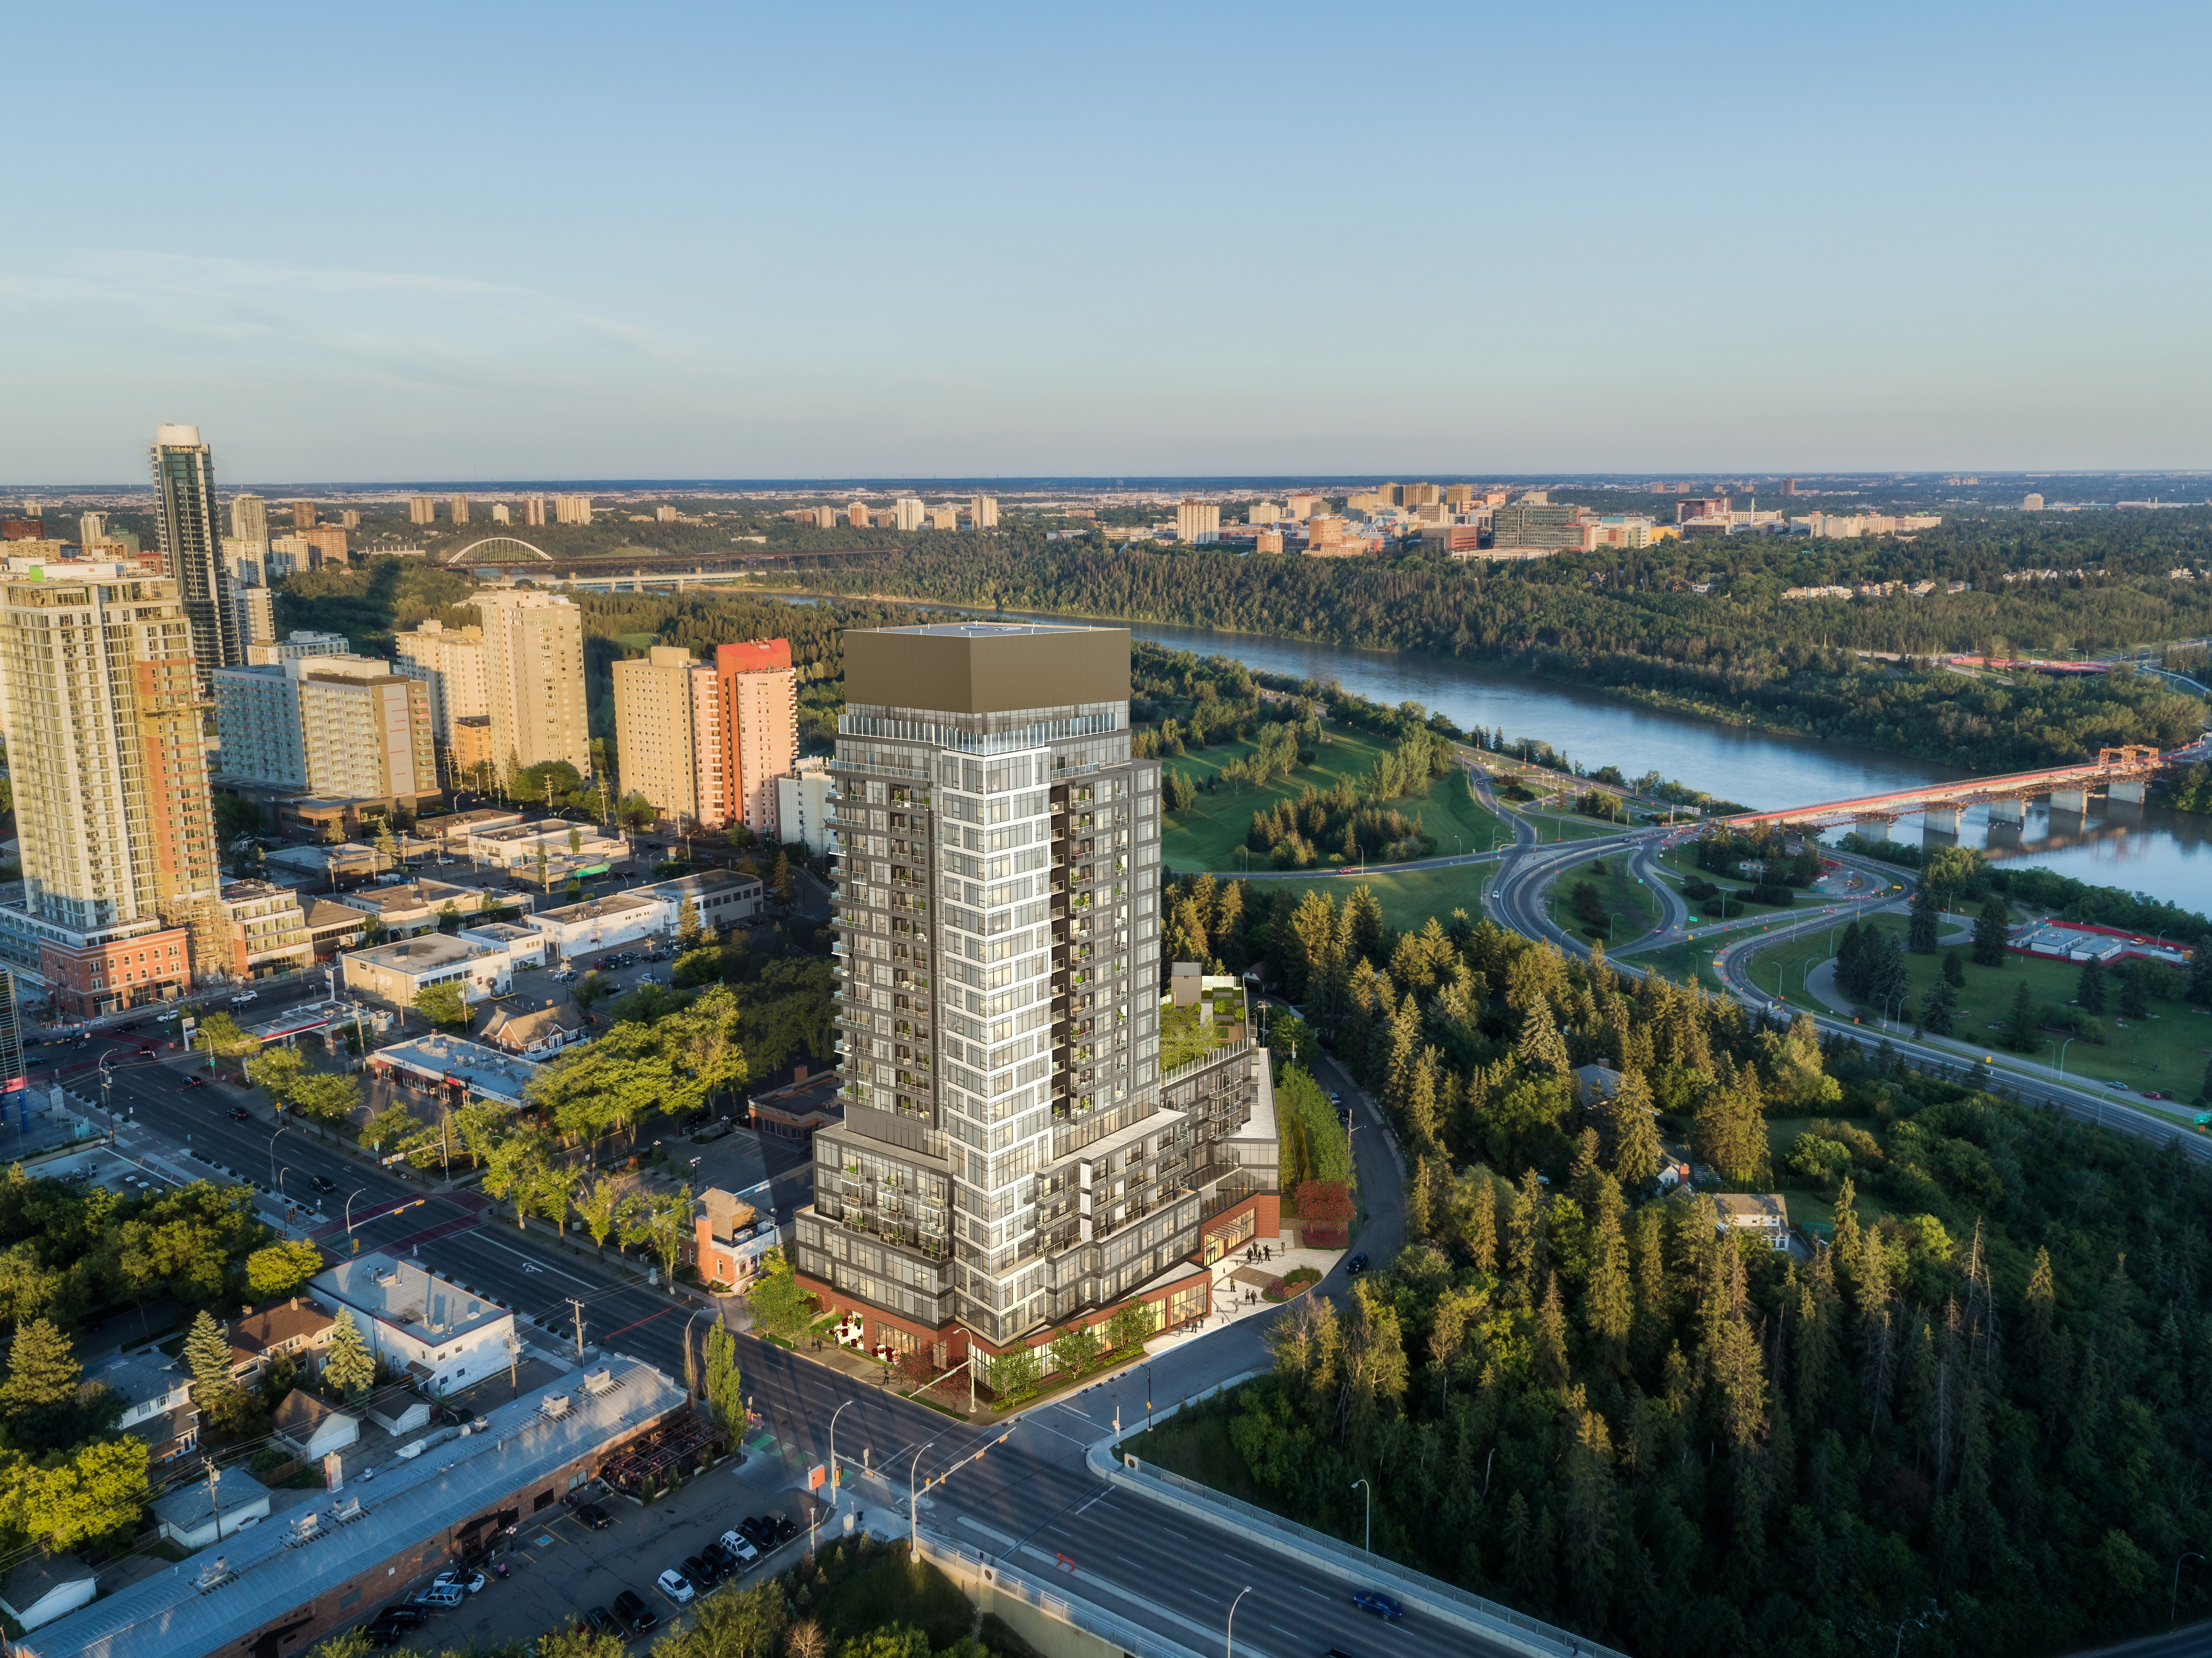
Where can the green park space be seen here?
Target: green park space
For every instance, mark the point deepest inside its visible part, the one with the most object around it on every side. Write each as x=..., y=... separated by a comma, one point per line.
x=1623, y=907
x=2168, y=1051
x=1408, y=896
x=1210, y=833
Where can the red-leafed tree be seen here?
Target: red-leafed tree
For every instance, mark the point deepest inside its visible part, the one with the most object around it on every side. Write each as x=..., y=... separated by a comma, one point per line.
x=1325, y=1213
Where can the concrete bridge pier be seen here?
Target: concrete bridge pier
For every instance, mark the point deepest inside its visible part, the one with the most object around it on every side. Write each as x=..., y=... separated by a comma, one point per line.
x=2012, y=812
x=2074, y=800
x=1941, y=820
x=1874, y=829
x=2130, y=792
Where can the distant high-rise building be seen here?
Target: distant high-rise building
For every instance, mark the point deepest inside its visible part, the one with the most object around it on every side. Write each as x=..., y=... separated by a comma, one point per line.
x=571, y=509
x=1420, y=495
x=759, y=728
x=349, y=520
x=1536, y=524
x=21, y=529
x=668, y=736
x=289, y=556
x=1264, y=512
x=983, y=512
x=1324, y=531
x=856, y=515
x=534, y=677
x=342, y=727
x=1268, y=541
x=256, y=610
x=458, y=507
x=91, y=527
x=2031, y=503
x=667, y=515
x=329, y=542
x=118, y=837
x=1458, y=494
x=946, y=517
x=191, y=546
x=533, y=510
x=1198, y=523
x=824, y=518
x=422, y=509
x=303, y=514
x=1790, y=485
x=912, y=514
x=1706, y=506
x=1303, y=506
x=451, y=662
x=499, y=513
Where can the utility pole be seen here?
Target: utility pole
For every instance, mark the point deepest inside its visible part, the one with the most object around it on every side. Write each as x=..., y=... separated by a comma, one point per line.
x=215, y=1499
x=579, y=1306
x=514, y=1362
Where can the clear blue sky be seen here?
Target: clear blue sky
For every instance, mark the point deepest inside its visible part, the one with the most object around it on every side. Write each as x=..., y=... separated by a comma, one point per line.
x=552, y=240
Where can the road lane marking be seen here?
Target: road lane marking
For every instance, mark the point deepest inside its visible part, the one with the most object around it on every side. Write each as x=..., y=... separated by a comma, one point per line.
x=532, y=1260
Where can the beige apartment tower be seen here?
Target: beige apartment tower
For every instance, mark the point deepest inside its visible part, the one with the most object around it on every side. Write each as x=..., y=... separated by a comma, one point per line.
x=983, y=512
x=450, y=663
x=458, y=506
x=571, y=509
x=101, y=705
x=533, y=646
x=668, y=734
x=422, y=509
x=533, y=511
x=249, y=521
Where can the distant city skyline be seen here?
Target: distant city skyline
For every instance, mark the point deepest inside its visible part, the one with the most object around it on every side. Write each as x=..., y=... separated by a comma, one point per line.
x=1099, y=267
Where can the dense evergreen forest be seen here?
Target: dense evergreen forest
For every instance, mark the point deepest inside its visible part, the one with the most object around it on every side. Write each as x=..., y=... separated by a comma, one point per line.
x=1981, y=1403
x=1633, y=622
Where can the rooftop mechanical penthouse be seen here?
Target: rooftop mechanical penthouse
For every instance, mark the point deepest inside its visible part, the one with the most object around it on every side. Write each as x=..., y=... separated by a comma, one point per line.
x=1009, y=1159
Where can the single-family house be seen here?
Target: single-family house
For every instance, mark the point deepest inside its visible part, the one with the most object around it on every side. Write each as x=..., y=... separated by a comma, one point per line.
x=1594, y=1084
x=312, y=1428
x=45, y=1587
x=441, y=1335
x=157, y=1403
x=1765, y=1215
x=197, y=1512
x=297, y=1328
x=534, y=1033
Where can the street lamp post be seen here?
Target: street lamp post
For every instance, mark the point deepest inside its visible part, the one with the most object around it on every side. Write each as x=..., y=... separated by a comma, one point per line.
x=2173, y=1601
x=1229, y=1650
x=356, y=1191
x=2062, y=1048
x=833, y=1415
x=281, y=1127
x=1356, y=1484
x=913, y=1512
x=107, y=1101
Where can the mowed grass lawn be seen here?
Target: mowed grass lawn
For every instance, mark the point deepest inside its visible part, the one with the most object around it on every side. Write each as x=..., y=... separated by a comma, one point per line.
x=1208, y=834
x=1624, y=895
x=2166, y=1052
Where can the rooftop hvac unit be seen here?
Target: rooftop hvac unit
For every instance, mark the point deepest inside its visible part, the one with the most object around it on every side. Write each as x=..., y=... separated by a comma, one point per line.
x=600, y=1381
x=349, y=1509
x=556, y=1404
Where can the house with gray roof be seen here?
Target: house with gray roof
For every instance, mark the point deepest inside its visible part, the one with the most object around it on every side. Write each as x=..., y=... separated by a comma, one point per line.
x=195, y=1514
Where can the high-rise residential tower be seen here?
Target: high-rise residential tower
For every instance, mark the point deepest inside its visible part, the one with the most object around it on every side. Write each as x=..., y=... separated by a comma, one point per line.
x=760, y=729
x=533, y=510
x=668, y=737
x=303, y=514
x=983, y=512
x=1010, y=1158
x=101, y=705
x=249, y=523
x=458, y=506
x=191, y=546
x=533, y=646
x=91, y=528
x=422, y=509
x=451, y=662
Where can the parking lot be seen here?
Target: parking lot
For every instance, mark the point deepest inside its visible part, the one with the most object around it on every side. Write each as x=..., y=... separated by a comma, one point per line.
x=559, y=1572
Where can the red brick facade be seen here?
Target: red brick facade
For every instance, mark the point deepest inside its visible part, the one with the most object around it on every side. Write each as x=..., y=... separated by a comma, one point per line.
x=1232, y=1228
x=126, y=973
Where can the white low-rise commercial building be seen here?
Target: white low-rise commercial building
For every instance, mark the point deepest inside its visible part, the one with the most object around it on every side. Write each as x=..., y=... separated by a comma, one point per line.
x=620, y=917
x=443, y=1336
x=395, y=973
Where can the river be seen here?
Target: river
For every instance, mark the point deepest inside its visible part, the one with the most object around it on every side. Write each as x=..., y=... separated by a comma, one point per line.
x=2144, y=848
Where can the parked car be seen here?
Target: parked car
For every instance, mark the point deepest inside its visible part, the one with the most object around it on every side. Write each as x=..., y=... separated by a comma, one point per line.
x=786, y=1526
x=440, y=1594
x=407, y=1616
x=740, y=1547
x=754, y=1529
x=469, y=1582
x=1356, y=1263
x=726, y=1562
x=674, y=1585
x=636, y=1615
x=701, y=1571
x=601, y=1620
x=593, y=1516
x=1380, y=1604
x=386, y=1632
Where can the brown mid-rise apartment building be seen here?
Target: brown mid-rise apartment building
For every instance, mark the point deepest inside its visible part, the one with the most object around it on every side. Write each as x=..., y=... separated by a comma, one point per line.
x=1012, y=1157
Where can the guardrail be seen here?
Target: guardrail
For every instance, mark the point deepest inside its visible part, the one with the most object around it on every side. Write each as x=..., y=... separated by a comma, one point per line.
x=1080, y=1613
x=1486, y=1618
